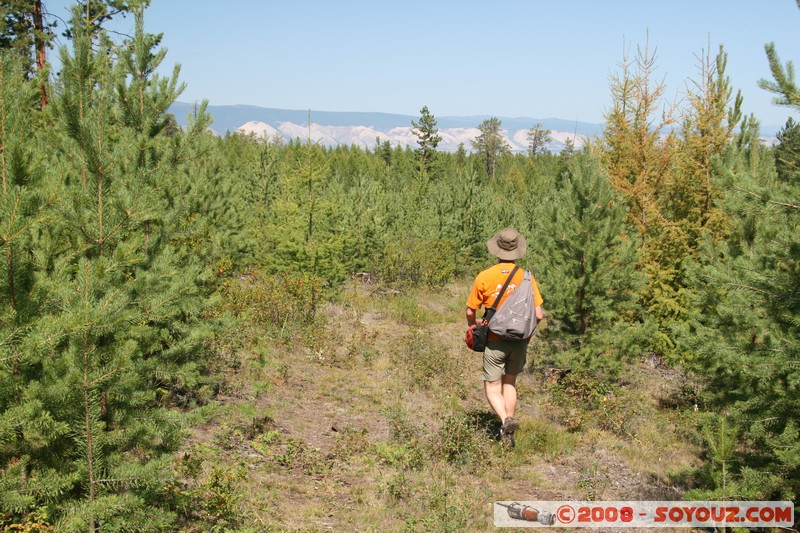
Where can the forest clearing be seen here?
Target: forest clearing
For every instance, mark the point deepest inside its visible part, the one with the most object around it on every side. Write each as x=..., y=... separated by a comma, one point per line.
x=380, y=423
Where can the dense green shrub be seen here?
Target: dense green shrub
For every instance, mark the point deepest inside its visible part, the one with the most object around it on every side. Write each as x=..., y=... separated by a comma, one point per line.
x=428, y=262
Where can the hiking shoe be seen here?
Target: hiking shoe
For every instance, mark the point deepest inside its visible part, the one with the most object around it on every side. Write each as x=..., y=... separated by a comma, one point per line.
x=507, y=431
x=509, y=426
x=507, y=438
x=511, y=441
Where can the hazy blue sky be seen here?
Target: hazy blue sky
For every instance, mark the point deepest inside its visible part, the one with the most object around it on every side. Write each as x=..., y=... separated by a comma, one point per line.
x=512, y=58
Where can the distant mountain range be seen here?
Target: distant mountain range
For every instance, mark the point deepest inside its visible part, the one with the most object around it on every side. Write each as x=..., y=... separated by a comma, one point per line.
x=332, y=128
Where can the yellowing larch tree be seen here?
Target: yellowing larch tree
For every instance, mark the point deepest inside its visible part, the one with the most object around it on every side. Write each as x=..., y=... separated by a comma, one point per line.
x=638, y=144
x=707, y=130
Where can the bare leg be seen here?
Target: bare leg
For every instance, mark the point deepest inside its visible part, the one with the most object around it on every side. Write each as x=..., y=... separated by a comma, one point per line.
x=509, y=392
x=494, y=393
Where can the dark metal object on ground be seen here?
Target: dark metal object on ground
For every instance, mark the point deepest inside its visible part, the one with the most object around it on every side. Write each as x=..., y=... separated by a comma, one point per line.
x=526, y=512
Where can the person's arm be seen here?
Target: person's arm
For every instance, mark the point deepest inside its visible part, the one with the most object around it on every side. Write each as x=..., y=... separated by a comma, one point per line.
x=474, y=302
x=470, y=317
x=537, y=300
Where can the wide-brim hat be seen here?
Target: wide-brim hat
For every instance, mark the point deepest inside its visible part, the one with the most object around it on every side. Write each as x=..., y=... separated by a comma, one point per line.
x=507, y=244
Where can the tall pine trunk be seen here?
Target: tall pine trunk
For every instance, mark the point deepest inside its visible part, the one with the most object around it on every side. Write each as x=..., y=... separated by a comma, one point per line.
x=9, y=254
x=41, y=51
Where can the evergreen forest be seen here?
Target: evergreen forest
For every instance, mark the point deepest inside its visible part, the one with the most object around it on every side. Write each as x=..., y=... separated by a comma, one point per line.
x=159, y=281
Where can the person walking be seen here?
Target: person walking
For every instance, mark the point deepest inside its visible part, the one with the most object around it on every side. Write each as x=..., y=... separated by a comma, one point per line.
x=503, y=359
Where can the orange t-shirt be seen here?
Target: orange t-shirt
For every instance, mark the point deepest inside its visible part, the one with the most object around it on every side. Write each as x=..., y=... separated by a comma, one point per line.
x=489, y=282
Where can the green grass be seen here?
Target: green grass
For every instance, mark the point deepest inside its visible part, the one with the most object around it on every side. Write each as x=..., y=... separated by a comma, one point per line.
x=543, y=439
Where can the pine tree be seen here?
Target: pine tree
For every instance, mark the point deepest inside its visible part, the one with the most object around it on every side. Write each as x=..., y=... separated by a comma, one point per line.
x=427, y=138
x=787, y=152
x=24, y=30
x=538, y=138
x=26, y=430
x=490, y=144
x=744, y=336
x=21, y=201
x=749, y=141
x=783, y=84
x=115, y=337
x=588, y=262
x=202, y=197
x=93, y=14
x=302, y=222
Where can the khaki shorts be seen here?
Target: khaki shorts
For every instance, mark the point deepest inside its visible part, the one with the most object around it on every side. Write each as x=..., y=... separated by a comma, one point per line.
x=504, y=357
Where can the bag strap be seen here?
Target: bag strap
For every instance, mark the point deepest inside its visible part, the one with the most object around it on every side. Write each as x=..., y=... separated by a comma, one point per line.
x=487, y=316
